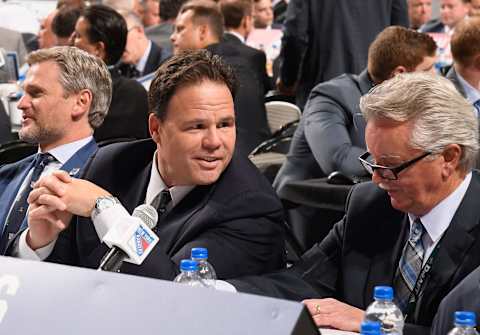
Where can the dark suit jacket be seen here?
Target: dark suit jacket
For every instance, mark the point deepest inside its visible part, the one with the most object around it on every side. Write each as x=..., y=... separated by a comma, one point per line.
x=13, y=175
x=331, y=132
x=363, y=250
x=154, y=60
x=316, y=47
x=464, y=297
x=251, y=119
x=433, y=26
x=128, y=113
x=238, y=218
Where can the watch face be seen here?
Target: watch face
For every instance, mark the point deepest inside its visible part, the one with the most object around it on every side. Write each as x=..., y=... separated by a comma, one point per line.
x=104, y=203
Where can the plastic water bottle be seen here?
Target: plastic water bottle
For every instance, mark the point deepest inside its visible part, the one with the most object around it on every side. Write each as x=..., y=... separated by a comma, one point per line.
x=384, y=310
x=189, y=274
x=370, y=328
x=205, y=269
x=465, y=323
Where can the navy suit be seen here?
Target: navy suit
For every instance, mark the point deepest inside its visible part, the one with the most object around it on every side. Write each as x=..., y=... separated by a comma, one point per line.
x=13, y=175
x=238, y=218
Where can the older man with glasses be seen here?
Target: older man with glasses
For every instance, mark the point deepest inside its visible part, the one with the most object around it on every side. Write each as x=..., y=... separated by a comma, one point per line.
x=418, y=219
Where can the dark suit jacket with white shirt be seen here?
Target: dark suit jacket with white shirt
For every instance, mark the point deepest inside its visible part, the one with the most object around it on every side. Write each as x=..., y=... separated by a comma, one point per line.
x=363, y=250
x=13, y=175
x=238, y=218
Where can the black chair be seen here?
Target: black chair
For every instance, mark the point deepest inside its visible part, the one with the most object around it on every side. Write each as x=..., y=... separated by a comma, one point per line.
x=11, y=152
x=114, y=140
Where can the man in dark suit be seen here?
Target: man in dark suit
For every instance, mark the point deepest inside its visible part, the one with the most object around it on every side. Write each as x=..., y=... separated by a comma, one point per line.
x=316, y=48
x=102, y=31
x=423, y=196
x=452, y=12
x=465, y=71
x=218, y=198
x=331, y=132
x=200, y=25
x=66, y=96
x=141, y=56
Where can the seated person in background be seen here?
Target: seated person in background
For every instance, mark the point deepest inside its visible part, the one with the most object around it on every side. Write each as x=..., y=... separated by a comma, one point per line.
x=199, y=24
x=102, y=31
x=419, y=12
x=219, y=200
x=474, y=8
x=422, y=206
x=5, y=128
x=66, y=96
x=452, y=12
x=141, y=56
x=147, y=11
x=465, y=72
x=63, y=24
x=46, y=37
x=263, y=14
x=331, y=133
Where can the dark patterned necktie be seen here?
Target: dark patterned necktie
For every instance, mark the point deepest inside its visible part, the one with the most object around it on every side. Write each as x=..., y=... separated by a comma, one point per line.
x=476, y=104
x=19, y=208
x=410, y=265
x=161, y=201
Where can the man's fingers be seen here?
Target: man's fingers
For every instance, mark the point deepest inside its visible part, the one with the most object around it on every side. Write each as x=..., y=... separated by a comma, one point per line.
x=53, y=184
x=51, y=201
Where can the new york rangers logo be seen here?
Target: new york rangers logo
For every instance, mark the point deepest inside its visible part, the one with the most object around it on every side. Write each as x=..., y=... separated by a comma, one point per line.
x=142, y=240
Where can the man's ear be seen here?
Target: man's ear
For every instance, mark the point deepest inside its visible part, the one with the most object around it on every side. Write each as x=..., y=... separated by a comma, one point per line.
x=82, y=104
x=397, y=70
x=154, y=127
x=100, y=50
x=451, y=156
x=202, y=33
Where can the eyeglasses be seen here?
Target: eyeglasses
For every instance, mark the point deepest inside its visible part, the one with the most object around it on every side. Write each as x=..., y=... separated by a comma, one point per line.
x=388, y=172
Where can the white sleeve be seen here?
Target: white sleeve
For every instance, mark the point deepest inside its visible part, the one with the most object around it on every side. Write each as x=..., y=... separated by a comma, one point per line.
x=107, y=218
x=24, y=251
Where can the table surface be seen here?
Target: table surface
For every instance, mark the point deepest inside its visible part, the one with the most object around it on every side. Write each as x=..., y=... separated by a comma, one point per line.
x=335, y=332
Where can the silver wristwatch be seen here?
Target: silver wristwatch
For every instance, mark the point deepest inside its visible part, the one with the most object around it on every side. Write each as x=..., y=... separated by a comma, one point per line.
x=102, y=203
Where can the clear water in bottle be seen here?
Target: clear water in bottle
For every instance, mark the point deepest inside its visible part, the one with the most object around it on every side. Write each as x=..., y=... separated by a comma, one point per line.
x=384, y=310
x=189, y=274
x=205, y=269
x=370, y=328
x=465, y=323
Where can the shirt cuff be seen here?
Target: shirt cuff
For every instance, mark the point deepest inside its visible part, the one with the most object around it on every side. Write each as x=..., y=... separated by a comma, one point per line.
x=221, y=285
x=25, y=252
x=108, y=218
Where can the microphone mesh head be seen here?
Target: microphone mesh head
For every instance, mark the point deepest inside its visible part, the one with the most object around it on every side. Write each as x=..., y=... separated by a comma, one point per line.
x=148, y=214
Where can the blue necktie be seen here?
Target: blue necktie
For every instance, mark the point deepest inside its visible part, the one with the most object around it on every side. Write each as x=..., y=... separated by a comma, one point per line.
x=476, y=104
x=19, y=208
x=410, y=265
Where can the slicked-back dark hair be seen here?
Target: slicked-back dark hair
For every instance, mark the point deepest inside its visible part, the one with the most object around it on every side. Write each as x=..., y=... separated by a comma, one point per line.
x=234, y=11
x=169, y=9
x=108, y=26
x=63, y=24
x=184, y=69
x=206, y=12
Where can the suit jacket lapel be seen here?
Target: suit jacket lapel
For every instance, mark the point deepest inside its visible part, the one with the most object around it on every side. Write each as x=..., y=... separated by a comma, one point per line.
x=178, y=220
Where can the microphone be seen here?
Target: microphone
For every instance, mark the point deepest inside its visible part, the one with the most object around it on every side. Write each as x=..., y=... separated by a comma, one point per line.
x=131, y=240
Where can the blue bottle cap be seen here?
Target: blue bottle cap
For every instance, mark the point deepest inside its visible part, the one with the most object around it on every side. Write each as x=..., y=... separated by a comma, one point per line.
x=188, y=265
x=370, y=328
x=383, y=292
x=465, y=318
x=200, y=253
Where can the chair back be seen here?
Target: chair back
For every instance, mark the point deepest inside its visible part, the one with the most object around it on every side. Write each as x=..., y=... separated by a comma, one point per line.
x=11, y=152
x=280, y=113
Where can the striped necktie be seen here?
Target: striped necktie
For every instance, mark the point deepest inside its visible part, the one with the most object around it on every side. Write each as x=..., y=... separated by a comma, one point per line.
x=410, y=265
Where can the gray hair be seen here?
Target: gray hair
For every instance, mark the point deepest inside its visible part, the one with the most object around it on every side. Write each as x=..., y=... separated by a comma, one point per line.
x=440, y=115
x=79, y=71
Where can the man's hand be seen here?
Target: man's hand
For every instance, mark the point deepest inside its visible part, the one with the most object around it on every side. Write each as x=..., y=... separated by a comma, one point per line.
x=63, y=192
x=332, y=313
x=53, y=201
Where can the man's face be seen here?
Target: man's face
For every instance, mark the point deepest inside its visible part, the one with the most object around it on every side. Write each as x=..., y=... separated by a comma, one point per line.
x=46, y=37
x=453, y=11
x=419, y=12
x=80, y=37
x=196, y=140
x=46, y=110
x=186, y=34
x=263, y=14
x=151, y=15
x=475, y=8
x=133, y=50
x=420, y=186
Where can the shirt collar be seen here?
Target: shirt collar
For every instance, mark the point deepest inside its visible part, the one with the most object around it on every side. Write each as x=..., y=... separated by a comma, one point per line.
x=64, y=152
x=471, y=92
x=143, y=61
x=237, y=35
x=157, y=185
x=438, y=219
